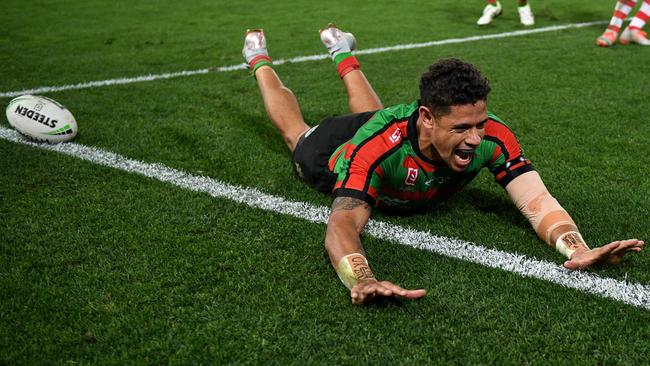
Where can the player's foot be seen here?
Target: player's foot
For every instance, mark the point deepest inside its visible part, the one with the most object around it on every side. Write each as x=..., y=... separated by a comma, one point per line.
x=526, y=15
x=489, y=13
x=254, y=45
x=634, y=35
x=336, y=40
x=607, y=39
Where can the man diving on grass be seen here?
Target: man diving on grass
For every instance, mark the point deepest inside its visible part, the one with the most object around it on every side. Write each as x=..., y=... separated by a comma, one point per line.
x=408, y=157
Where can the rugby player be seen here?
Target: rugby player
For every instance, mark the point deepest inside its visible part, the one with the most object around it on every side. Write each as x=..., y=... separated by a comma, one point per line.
x=408, y=157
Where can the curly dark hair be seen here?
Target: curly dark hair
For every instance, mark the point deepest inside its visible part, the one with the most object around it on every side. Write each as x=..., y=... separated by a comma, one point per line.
x=450, y=82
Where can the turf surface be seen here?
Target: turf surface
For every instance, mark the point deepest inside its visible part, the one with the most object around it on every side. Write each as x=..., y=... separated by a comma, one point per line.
x=99, y=266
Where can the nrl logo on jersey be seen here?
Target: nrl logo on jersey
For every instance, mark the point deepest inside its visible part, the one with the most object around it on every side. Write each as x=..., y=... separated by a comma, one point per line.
x=411, y=176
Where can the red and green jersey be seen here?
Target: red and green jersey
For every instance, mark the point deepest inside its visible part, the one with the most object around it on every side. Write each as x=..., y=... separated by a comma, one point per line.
x=383, y=165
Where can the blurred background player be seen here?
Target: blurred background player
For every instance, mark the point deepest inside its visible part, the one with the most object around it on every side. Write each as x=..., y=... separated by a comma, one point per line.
x=493, y=10
x=633, y=33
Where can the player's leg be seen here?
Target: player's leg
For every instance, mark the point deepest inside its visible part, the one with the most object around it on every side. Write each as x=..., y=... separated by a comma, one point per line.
x=634, y=32
x=525, y=13
x=621, y=10
x=491, y=11
x=361, y=95
x=280, y=103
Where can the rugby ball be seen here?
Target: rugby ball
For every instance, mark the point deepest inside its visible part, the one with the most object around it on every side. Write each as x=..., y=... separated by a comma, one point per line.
x=41, y=119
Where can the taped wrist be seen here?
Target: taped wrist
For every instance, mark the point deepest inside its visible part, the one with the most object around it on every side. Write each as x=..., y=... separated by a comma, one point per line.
x=569, y=242
x=354, y=268
x=550, y=221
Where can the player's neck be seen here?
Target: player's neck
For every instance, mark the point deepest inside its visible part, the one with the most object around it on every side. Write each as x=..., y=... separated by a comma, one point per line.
x=424, y=143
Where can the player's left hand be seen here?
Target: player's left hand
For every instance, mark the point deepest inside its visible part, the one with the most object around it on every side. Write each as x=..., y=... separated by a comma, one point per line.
x=611, y=254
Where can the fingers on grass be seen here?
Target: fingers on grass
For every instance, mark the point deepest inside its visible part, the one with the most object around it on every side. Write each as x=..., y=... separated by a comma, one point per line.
x=574, y=265
x=415, y=294
x=628, y=245
x=612, y=246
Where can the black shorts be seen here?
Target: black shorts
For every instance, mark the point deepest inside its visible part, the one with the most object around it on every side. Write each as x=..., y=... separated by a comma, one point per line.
x=315, y=147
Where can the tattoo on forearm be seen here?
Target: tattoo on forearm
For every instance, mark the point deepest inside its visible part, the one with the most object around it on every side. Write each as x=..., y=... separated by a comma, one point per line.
x=348, y=203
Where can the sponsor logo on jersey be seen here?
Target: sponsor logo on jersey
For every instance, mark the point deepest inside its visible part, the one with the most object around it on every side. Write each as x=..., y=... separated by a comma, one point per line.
x=439, y=180
x=411, y=176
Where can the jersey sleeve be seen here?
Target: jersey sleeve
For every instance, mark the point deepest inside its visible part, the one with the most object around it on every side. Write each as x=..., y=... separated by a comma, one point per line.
x=369, y=194
x=507, y=161
x=359, y=165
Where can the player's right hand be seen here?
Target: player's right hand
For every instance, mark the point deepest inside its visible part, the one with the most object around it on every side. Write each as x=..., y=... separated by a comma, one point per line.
x=366, y=291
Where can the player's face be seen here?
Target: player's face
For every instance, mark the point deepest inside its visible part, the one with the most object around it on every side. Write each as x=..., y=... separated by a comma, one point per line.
x=456, y=135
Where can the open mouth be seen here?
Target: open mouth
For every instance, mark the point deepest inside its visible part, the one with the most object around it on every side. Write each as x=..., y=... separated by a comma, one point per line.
x=464, y=155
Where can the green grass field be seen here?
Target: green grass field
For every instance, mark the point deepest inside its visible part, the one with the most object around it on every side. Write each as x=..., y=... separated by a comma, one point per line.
x=102, y=266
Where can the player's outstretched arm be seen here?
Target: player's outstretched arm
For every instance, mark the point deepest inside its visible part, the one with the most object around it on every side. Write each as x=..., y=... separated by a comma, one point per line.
x=554, y=225
x=347, y=220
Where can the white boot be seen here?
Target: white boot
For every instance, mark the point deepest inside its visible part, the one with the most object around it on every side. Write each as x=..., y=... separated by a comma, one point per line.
x=526, y=15
x=489, y=13
x=254, y=45
x=336, y=40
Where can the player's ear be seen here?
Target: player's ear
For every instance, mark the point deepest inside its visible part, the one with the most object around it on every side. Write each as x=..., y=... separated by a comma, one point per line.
x=426, y=116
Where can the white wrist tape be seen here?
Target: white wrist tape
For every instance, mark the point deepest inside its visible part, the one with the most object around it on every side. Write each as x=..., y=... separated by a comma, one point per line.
x=354, y=268
x=569, y=242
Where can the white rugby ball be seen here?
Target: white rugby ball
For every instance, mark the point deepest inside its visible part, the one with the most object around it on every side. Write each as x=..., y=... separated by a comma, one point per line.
x=42, y=119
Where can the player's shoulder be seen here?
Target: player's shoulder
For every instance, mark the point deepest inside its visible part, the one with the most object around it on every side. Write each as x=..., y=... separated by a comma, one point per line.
x=493, y=119
x=388, y=119
x=497, y=127
x=398, y=111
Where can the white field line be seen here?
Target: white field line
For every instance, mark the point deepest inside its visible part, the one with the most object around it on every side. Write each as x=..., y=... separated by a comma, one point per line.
x=629, y=293
x=138, y=79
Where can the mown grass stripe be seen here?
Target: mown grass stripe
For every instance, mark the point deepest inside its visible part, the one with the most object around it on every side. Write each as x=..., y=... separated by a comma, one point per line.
x=629, y=293
x=143, y=78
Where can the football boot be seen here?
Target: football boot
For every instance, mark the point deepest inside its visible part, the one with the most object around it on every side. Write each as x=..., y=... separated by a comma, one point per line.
x=254, y=45
x=526, y=15
x=489, y=13
x=336, y=40
x=607, y=39
x=634, y=35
